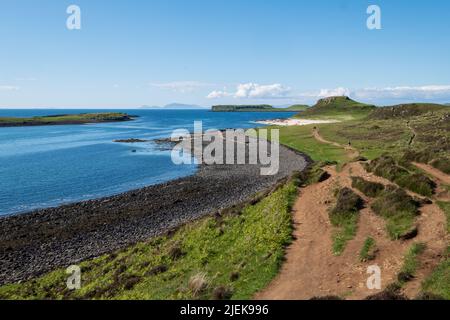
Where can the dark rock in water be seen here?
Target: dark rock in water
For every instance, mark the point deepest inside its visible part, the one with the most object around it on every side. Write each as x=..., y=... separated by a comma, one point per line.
x=130, y=141
x=134, y=151
x=165, y=144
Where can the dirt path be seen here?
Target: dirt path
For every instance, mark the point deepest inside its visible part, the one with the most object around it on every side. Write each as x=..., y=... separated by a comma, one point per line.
x=433, y=232
x=437, y=174
x=414, y=133
x=441, y=179
x=311, y=270
x=352, y=153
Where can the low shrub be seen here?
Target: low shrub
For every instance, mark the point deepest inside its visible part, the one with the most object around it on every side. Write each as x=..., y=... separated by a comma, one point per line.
x=418, y=183
x=399, y=210
x=386, y=167
x=423, y=156
x=348, y=202
x=344, y=216
x=198, y=284
x=370, y=189
x=411, y=263
x=368, y=251
x=442, y=164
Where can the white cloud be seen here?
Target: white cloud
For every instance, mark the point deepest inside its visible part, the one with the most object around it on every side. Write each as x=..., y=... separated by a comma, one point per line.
x=430, y=92
x=218, y=94
x=437, y=93
x=325, y=93
x=182, y=86
x=254, y=91
x=9, y=88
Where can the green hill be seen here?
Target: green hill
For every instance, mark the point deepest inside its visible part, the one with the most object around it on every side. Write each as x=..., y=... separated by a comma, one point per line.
x=298, y=107
x=405, y=110
x=341, y=107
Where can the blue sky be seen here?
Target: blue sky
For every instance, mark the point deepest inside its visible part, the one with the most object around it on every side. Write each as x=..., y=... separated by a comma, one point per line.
x=132, y=53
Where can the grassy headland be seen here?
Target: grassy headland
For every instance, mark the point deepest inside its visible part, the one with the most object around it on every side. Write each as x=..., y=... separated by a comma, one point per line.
x=257, y=108
x=64, y=119
x=338, y=108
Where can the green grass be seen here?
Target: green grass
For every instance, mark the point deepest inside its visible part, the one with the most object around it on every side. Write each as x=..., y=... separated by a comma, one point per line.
x=300, y=138
x=298, y=107
x=438, y=283
x=344, y=216
x=388, y=168
x=411, y=263
x=370, y=189
x=442, y=164
x=445, y=206
x=371, y=138
x=367, y=252
x=237, y=253
x=347, y=226
x=339, y=108
x=399, y=210
x=404, y=111
x=315, y=173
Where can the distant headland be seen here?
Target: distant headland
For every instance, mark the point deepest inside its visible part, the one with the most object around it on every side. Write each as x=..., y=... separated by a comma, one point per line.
x=258, y=108
x=64, y=119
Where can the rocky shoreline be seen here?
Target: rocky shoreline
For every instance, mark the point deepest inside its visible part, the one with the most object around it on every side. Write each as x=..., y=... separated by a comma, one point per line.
x=40, y=241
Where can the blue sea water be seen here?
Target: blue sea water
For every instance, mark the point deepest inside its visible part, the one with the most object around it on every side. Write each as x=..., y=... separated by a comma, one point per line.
x=53, y=165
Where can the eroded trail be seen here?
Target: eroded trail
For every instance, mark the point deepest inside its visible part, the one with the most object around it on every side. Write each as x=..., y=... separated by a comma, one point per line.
x=311, y=269
x=435, y=173
x=352, y=153
x=442, y=180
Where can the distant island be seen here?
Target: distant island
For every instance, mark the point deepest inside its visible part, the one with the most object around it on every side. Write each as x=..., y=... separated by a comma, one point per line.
x=258, y=108
x=63, y=119
x=175, y=106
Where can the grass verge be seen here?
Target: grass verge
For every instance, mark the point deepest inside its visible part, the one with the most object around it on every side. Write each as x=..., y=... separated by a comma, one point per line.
x=344, y=216
x=370, y=189
x=438, y=283
x=411, y=263
x=368, y=251
x=445, y=206
x=400, y=212
x=386, y=167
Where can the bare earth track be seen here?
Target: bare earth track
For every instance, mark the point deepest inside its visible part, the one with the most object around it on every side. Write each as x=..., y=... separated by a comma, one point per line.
x=311, y=269
x=352, y=153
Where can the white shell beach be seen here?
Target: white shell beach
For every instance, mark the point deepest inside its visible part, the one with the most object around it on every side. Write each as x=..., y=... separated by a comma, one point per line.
x=294, y=122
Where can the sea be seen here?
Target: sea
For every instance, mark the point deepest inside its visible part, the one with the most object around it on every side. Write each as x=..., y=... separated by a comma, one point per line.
x=48, y=166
